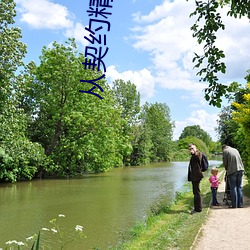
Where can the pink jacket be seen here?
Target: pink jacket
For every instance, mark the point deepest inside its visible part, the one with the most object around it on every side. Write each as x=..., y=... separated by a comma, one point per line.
x=214, y=181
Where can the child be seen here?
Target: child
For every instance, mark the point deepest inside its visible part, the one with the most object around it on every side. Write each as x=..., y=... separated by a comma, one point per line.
x=214, y=185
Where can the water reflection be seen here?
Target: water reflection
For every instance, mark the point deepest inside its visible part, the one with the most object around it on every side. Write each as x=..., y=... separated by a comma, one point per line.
x=105, y=204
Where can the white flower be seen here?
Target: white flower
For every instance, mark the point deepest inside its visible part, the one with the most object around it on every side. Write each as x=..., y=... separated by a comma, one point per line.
x=54, y=230
x=29, y=238
x=10, y=242
x=78, y=228
x=61, y=215
x=20, y=243
x=45, y=229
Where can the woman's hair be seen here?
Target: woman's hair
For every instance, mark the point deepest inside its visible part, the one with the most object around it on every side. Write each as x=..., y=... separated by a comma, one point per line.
x=214, y=170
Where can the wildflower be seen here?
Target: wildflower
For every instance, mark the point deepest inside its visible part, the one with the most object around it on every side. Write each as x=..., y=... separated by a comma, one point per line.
x=78, y=228
x=20, y=243
x=61, y=215
x=29, y=238
x=54, y=230
x=45, y=229
x=10, y=242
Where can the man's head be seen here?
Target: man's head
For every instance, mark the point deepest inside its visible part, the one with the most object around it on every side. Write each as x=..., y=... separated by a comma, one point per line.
x=192, y=148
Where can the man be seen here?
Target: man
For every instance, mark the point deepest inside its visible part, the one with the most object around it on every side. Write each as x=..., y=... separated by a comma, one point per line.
x=195, y=175
x=235, y=170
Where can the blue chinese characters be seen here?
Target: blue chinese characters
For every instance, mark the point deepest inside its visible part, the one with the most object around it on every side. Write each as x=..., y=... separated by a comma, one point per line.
x=99, y=12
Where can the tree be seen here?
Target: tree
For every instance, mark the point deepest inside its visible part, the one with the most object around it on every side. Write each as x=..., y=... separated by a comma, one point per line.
x=79, y=131
x=183, y=144
x=230, y=130
x=12, y=50
x=20, y=158
x=242, y=117
x=208, y=23
x=157, y=122
x=196, y=131
x=128, y=100
x=227, y=127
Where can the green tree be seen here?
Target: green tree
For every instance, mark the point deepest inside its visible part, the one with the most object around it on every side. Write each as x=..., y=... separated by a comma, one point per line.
x=227, y=127
x=142, y=145
x=157, y=122
x=241, y=115
x=183, y=144
x=207, y=25
x=230, y=130
x=19, y=158
x=196, y=131
x=128, y=100
x=79, y=131
x=12, y=50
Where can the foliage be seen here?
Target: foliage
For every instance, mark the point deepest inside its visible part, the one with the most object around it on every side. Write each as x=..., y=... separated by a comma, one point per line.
x=196, y=131
x=205, y=28
x=157, y=122
x=232, y=124
x=142, y=145
x=127, y=98
x=20, y=157
x=227, y=127
x=149, y=131
x=201, y=146
x=78, y=131
x=12, y=50
x=241, y=115
x=215, y=148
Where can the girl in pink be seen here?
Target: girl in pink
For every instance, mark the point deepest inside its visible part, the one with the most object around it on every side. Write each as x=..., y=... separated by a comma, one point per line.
x=214, y=186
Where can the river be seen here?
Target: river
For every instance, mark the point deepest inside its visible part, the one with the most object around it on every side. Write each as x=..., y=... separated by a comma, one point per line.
x=104, y=204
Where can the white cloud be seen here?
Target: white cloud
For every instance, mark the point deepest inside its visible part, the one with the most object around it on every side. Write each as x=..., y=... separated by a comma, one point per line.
x=170, y=43
x=143, y=80
x=234, y=41
x=78, y=32
x=43, y=14
x=208, y=122
x=165, y=33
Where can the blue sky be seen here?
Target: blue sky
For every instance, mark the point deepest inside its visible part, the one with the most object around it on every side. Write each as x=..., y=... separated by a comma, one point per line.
x=150, y=44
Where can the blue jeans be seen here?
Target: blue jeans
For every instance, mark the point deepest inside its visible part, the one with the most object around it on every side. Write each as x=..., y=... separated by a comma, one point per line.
x=235, y=182
x=214, y=196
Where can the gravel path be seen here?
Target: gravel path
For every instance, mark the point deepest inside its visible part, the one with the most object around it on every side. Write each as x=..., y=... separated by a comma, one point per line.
x=225, y=228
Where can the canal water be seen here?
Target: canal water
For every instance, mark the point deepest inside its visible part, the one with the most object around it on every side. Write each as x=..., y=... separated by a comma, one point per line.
x=106, y=204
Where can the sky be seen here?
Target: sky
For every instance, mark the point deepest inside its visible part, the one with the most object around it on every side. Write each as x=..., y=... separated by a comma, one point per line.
x=149, y=44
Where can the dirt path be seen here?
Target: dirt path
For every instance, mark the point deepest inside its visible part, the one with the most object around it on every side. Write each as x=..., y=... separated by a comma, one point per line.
x=225, y=228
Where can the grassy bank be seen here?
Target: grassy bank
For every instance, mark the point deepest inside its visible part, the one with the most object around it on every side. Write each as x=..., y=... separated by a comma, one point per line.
x=170, y=227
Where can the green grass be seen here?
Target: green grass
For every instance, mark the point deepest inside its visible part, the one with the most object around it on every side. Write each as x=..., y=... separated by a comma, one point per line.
x=170, y=226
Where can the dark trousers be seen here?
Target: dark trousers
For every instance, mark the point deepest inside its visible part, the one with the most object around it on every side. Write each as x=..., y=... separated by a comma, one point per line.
x=214, y=196
x=197, y=196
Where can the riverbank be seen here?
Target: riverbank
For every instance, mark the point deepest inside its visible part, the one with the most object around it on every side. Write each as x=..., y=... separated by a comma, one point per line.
x=173, y=227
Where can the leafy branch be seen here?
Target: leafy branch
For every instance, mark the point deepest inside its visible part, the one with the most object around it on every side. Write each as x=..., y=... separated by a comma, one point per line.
x=210, y=63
